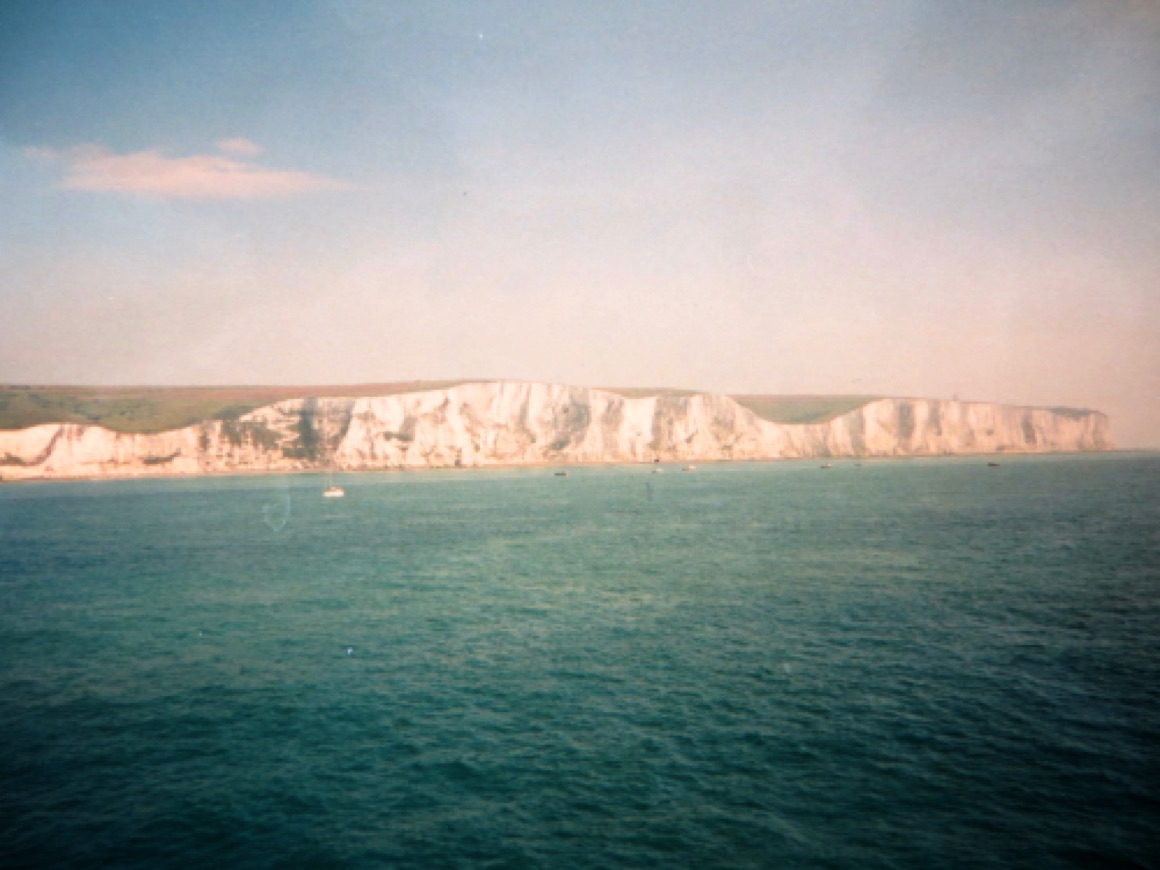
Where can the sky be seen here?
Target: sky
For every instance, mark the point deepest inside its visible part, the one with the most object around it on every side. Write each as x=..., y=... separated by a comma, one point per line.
x=889, y=197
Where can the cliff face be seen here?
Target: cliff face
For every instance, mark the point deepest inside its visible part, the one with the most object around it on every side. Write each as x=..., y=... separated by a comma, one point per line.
x=506, y=423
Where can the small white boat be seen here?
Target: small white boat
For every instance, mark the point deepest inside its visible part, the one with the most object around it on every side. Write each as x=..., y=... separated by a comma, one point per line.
x=332, y=489
x=689, y=468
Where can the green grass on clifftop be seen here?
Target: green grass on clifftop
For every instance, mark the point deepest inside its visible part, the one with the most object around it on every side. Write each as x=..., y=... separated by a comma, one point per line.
x=776, y=409
x=801, y=409
x=649, y=392
x=157, y=409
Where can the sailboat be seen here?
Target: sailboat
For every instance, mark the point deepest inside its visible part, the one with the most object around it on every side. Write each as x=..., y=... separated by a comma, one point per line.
x=333, y=491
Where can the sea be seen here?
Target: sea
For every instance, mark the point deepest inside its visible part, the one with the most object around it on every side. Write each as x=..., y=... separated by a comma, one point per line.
x=897, y=663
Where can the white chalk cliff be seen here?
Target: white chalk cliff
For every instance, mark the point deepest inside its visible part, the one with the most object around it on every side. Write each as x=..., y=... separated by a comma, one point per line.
x=506, y=423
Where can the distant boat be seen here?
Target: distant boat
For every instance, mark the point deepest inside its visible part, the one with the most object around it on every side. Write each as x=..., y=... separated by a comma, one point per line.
x=689, y=468
x=993, y=464
x=827, y=465
x=332, y=489
x=561, y=474
x=658, y=471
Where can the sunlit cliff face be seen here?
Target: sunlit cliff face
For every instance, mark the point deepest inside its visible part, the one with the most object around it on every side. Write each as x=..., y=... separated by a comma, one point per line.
x=505, y=423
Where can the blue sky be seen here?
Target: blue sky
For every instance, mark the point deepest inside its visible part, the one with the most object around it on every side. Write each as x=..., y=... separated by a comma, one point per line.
x=904, y=198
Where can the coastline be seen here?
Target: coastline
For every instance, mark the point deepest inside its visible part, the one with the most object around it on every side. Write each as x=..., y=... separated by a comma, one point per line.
x=516, y=424
x=673, y=465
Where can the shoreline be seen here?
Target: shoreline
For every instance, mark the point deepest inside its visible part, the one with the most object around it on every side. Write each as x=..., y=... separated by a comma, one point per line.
x=532, y=425
x=263, y=472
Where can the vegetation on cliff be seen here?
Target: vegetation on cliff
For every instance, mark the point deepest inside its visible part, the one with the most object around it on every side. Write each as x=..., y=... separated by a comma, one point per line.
x=145, y=410
x=159, y=409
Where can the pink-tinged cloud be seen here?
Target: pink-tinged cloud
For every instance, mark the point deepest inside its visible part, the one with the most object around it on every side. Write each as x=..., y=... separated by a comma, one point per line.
x=242, y=147
x=201, y=176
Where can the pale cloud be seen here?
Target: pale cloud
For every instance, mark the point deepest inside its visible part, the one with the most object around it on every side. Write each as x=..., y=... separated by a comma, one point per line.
x=198, y=176
x=242, y=147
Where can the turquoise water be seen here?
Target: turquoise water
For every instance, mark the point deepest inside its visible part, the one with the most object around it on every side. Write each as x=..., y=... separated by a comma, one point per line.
x=898, y=664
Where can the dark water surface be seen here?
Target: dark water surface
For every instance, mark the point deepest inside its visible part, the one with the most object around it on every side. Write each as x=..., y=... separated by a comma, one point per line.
x=902, y=664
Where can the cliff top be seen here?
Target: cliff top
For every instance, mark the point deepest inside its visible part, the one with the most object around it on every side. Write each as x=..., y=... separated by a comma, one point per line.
x=157, y=409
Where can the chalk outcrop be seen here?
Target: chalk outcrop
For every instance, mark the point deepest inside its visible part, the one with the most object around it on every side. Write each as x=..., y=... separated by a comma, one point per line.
x=508, y=423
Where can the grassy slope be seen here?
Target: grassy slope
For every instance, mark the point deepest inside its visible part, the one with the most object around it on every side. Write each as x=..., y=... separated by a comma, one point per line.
x=801, y=409
x=157, y=409
x=647, y=392
x=777, y=409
